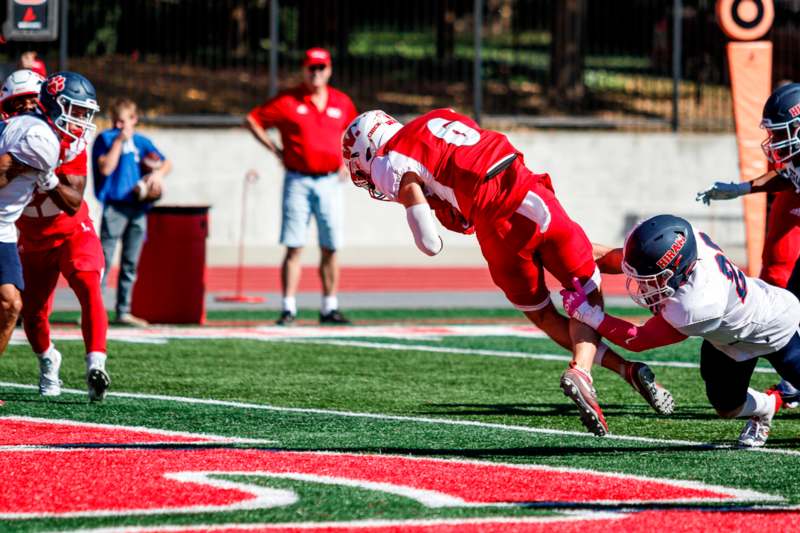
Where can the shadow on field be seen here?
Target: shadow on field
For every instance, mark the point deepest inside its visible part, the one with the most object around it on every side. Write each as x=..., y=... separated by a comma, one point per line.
x=33, y=397
x=566, y=408
x=597, y=450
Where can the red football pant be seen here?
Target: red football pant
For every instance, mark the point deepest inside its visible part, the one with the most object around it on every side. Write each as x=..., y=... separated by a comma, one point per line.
x=518, y=252
x=80, y=259
x=782, y=242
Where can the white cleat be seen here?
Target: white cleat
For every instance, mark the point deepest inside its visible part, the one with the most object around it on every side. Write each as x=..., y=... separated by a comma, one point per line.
x=756, y=431
x=49, y=366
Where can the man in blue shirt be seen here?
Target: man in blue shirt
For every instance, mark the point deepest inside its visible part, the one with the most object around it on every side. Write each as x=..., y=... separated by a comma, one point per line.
x=128, y=176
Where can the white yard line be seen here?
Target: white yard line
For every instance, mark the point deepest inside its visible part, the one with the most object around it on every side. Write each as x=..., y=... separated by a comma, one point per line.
x=409, y=419
x=487, y=353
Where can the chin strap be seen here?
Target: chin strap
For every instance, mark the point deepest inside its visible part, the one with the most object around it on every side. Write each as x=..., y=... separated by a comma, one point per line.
x=420, y=220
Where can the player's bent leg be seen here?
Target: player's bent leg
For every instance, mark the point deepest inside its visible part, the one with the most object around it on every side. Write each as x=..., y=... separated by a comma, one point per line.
x=727, y=388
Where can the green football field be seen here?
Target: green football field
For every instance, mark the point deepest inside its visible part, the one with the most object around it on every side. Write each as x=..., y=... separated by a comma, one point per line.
x=396, y=427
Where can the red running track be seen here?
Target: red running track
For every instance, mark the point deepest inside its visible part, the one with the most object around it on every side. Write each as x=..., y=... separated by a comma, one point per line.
x=373, y=279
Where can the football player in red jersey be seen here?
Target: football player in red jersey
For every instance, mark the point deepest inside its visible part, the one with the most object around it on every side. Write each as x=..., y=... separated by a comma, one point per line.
x=476, y=181
x=57, y=237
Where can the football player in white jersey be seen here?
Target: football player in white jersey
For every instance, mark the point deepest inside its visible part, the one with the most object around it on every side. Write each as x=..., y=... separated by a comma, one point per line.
x=36, y=143
x=694, y=290
x=781, y=121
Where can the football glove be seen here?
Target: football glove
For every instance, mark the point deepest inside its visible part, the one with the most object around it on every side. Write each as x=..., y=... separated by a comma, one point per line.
x=723, y=191
x=47, y=181
x=577, y=306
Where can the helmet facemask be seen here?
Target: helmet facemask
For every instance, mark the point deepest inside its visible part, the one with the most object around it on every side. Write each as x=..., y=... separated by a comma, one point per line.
x=782, y=142
x=650, y=290
x=76, y=117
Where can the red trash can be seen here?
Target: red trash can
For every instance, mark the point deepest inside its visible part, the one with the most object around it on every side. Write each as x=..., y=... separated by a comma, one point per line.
x=170, y=282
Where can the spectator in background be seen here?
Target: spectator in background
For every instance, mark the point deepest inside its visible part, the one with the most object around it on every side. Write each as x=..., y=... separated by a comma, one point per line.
x=311, y=118
x=128, y=176
x=30, y=60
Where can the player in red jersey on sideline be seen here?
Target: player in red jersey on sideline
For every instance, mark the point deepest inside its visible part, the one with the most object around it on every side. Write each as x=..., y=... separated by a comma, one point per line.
x=57, y=237
x=476, y=181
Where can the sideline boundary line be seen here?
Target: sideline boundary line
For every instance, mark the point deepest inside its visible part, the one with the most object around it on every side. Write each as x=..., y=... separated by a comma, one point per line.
x=412, y=419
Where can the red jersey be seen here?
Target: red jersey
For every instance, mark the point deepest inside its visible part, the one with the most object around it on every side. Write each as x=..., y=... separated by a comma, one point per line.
x=43, y=225
x=312, y=139
x=458, y=161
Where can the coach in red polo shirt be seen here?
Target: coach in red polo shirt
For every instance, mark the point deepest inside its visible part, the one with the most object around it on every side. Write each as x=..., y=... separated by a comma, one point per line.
x=311, y=118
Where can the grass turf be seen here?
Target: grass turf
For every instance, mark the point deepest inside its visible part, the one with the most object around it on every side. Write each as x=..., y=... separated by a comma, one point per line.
x=410, y=383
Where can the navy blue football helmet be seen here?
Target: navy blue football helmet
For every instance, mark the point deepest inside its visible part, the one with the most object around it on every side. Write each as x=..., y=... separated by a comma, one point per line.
x=781, y=119
x=70, y=102
x=657, y=258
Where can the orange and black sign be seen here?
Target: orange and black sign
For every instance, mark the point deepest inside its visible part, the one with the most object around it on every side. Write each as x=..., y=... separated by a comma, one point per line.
x=745, y=20
x=31, y=20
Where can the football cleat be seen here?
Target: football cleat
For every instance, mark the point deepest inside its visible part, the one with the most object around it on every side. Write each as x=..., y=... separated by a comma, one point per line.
x=789, y=394
x=286, y=319
x=334, y=318
x=643, y=381
x=98, y=382
x=577, y=386
x=756, y=431
x=49, y=366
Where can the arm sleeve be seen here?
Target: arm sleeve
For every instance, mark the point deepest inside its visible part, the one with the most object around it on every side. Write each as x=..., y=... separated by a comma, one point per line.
x=654, y=333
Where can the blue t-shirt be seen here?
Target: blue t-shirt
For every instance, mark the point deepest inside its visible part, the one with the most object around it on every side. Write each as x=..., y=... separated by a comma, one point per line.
x=118, y=186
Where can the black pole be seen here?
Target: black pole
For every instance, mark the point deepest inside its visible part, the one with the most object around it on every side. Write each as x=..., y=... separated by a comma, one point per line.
x=274, y=10
x=63, y=44
x=477, y=75
x=677, y=52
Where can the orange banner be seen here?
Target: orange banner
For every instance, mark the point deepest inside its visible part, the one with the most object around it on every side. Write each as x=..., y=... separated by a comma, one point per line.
x=751, y=84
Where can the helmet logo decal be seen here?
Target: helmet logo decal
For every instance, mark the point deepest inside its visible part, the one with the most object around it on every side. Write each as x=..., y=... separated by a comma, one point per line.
x=55, y=85
x=349, y=141
x=794, y=110
x=670, y=254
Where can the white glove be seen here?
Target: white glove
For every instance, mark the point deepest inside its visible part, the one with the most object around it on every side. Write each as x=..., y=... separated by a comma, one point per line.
x=47, y=181
x=724, y=191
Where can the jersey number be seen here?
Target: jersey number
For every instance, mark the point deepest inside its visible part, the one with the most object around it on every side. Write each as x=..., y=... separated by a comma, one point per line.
x=728, y=269
x=453, y=132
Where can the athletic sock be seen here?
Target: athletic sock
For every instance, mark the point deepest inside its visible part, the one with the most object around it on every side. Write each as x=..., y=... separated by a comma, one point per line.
x=47, y=352
x=290, y=304
x=757, y=404
x=329, y=303
x=96, y=360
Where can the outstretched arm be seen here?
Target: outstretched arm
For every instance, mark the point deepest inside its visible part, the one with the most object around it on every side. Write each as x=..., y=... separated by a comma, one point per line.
x=654, y=333
x=767, y=182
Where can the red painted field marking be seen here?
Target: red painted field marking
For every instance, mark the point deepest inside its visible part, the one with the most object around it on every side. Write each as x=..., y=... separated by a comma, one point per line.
x=63, y=482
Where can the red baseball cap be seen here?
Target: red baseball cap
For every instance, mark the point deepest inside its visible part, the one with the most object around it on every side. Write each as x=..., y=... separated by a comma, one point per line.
x=316, y=56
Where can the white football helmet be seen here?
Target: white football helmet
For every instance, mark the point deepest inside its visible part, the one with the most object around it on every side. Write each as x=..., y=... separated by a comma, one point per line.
x=361, y=141
x=20, y=83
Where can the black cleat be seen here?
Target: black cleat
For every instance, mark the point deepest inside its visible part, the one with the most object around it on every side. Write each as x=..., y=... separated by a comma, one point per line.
x=642, y=379
x=286, y=319
x=98, y=381
x=334, y=318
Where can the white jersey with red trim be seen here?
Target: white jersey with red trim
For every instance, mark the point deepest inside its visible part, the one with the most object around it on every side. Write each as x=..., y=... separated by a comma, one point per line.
x=457, y=160
x=741, y=316
x=30, y=140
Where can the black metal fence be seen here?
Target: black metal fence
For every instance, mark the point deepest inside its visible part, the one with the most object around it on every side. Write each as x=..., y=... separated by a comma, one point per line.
x=547, y=63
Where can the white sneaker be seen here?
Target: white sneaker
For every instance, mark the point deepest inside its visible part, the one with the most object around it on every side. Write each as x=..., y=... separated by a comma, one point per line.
x=756, y=431
x=49, y=366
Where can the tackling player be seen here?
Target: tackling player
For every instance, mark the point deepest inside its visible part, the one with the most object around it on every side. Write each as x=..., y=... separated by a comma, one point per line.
x=694, y=290
x=57, y=235
x=781, y=120
x=476, y=181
